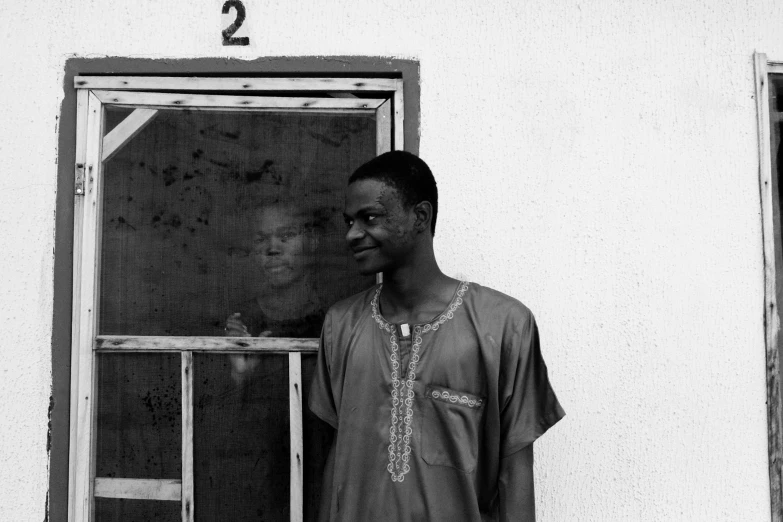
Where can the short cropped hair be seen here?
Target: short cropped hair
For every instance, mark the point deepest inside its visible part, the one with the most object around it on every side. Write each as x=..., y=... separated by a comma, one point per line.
x=405, y=172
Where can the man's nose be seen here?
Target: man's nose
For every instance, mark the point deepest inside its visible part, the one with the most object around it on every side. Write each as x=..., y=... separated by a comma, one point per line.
x=273, y=247
x=355, y=232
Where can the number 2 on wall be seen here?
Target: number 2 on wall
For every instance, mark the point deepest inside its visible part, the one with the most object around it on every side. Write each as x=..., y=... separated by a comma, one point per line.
x=228, y=32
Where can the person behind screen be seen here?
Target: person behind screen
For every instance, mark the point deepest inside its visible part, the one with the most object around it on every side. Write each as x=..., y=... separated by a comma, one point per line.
x=285, y=240
x=243, y=416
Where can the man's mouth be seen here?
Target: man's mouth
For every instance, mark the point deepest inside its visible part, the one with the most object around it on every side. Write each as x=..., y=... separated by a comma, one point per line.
x=275, y=267
x=360, y=251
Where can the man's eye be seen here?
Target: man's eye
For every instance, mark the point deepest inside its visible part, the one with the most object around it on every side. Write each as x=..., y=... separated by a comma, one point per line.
x=349, y=223
x=371, y=218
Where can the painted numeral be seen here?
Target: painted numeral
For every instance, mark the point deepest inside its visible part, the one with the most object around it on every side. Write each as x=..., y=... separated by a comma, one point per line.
x=228, y=32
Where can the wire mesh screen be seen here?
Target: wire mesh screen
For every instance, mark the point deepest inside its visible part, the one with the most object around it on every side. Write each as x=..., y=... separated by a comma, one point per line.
x=139, y=421
x=211, y=214
x=241, y=438
x=221, y=223
x=776, y=157
x=127, y=510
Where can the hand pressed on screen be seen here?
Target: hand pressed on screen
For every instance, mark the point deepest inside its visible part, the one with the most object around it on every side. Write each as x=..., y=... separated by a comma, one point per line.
x=242, y=365
x=235, y=327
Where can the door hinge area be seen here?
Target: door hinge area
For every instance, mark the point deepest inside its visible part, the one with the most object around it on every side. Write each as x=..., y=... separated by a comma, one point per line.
x=79, y=180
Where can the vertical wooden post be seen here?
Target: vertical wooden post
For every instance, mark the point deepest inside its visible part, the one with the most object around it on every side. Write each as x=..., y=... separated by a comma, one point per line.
x=297, y=437
x=78, y=219
x=389, y=132
x=383, y=128
x=399, y=117
x=771, y=315
x=188, y=506
x=87, y=234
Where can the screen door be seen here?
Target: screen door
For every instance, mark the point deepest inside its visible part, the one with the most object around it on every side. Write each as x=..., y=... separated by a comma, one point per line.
x=208, y=247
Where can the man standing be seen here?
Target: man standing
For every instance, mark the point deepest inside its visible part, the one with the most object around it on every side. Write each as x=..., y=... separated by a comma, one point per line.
x=436, y=387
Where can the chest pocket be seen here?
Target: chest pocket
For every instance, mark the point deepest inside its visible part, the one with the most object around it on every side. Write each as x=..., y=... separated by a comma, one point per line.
x=450, y=428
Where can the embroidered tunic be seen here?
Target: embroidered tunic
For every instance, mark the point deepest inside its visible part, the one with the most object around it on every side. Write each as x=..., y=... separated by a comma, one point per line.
x=424, y=420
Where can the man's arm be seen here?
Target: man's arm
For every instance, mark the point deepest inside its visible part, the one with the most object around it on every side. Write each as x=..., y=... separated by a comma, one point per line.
x=531, y=408
x=516, y=499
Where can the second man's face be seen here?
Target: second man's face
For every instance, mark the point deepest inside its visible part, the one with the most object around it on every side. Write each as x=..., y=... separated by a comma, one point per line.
x=280, y=245
x=381, y=230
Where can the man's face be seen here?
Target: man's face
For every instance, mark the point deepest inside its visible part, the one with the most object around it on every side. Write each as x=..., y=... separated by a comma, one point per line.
x=381, y=229
x=280, y=244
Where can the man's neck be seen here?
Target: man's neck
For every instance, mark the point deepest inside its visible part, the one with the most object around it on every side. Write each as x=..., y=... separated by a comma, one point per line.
x=290, y=301
x=414, y=293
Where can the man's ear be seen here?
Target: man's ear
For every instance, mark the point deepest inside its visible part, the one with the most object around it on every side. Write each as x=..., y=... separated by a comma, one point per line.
x=423, y=211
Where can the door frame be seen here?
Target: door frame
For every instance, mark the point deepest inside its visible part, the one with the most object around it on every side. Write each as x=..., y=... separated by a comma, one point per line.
x=60, y=434
x=773, y=278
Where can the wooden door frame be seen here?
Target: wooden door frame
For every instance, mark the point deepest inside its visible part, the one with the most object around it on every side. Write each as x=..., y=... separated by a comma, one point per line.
x=302, y=67
x=773, y=280
x=145, y=96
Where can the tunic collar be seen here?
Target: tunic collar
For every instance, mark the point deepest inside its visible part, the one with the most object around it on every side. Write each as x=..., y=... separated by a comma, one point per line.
x=436, y=323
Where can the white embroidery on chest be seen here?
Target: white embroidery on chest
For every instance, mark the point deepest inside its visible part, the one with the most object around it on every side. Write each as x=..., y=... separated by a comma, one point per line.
x=400, y=431
x=455, y=398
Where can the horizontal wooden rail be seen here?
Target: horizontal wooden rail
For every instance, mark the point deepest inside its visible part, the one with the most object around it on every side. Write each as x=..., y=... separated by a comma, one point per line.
x=140, y=489
x=128, y=343
x=187, y=101
x=174, y=83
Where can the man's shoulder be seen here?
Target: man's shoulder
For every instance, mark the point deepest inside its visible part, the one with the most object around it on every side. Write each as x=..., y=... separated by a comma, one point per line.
x=503, y=319
x=489, y=301
x=352, y=306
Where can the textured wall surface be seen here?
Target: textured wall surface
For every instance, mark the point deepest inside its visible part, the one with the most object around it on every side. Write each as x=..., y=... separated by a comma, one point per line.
x=597, y=160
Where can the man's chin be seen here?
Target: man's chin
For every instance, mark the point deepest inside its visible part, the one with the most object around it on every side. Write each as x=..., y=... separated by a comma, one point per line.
x=367, y=270
x=281, y=279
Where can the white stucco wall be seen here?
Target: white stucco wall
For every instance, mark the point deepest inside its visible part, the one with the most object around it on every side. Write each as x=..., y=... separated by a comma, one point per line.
x=597, y=160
